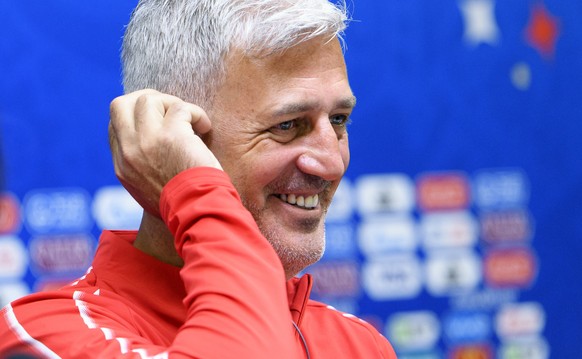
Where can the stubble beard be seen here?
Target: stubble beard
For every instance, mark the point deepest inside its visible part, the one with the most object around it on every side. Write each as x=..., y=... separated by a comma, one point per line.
x=295, y=254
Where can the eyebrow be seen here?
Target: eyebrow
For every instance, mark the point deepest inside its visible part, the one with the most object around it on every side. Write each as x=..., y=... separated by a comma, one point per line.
x=290, y=108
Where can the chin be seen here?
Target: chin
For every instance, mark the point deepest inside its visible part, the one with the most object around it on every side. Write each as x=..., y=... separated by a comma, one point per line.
x=297, y=252
x=298, y=243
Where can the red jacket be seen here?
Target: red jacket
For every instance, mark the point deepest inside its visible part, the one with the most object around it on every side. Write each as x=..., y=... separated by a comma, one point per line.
x=230, y=299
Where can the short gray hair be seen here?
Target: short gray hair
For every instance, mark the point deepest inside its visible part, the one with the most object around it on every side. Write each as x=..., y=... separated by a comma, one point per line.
x=180, y=46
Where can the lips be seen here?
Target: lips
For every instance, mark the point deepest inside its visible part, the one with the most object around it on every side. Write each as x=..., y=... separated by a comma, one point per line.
x=301, y=201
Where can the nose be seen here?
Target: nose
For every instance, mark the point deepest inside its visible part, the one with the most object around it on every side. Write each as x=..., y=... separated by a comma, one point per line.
x=326, y=153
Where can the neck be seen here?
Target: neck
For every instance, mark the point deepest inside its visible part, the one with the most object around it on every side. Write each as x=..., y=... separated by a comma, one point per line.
x=155, y=239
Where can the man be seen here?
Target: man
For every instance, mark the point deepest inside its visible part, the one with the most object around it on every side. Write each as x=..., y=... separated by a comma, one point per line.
x=205, y=277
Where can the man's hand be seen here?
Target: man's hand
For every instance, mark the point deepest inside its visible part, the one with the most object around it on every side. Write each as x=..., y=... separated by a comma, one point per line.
x=153, y=137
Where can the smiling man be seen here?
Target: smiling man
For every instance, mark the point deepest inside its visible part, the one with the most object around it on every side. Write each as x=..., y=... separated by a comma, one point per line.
x=232, y=136
x=284, y=143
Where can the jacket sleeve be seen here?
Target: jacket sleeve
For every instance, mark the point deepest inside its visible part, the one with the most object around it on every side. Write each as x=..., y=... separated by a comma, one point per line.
x=235, y=291
x=235, y=283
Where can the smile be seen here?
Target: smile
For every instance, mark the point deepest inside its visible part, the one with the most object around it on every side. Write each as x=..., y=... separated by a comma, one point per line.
x=300, y=201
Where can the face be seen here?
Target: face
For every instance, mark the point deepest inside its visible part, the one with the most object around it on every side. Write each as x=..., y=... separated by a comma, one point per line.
x=279, y=131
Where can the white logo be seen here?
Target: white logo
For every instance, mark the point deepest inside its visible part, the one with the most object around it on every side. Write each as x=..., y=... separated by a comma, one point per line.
x=385, y=193
x=382, y=234
x=452, y=272
x=58, y=210
x=392, y=277
x=514, y=320
x=449, y=229
x=525, y=348
x=413, y=330
x=114, y=208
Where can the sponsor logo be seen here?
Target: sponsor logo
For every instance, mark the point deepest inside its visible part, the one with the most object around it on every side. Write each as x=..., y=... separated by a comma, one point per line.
x=484, y=300
x=339, y=241
x=451, y=272
x=413, y=330
x=335, y=278
x=510, y=268
x=506, y=226
x=520, y=319
x=113, y=207
x=61, y=253
x=9, y=213
x=501, y=188
x=58, y=211
x=12, y=291
x=473, y=351
x=13, y=258
x=464, y=327
x=342, y=205
x=526, y=348
x=443, y=191
x=383, y=234
x=448, y=230
x=392, y=277
x=385, y=193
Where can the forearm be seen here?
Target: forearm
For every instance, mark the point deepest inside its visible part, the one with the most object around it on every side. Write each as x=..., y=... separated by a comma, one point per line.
x=235, y=283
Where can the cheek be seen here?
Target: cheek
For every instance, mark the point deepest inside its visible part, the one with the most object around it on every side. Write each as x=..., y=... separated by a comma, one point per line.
x=252, y=172
x=225, y=145
x=345, y=152
x=268, y=166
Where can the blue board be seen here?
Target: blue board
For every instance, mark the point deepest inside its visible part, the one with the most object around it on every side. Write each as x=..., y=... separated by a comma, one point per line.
x=458, y=228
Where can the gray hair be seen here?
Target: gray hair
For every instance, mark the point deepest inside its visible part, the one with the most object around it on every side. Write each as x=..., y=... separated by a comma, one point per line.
x=180, y=46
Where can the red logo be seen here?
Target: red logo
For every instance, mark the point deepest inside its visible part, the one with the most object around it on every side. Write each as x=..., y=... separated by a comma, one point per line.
x=477, y=351
x=9, y=213
x=510, y=268
x=443, y=191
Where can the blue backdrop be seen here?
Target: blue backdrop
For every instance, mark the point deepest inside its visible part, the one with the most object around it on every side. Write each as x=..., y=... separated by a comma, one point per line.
x=458, y=228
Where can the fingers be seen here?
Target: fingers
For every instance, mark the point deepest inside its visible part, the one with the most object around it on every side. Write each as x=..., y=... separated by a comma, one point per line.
x=146, y=110
x=153, y=137
x=122, y=109
x=187, y=112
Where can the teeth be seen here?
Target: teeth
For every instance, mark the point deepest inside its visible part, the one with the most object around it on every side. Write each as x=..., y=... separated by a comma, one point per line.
x=301, y=201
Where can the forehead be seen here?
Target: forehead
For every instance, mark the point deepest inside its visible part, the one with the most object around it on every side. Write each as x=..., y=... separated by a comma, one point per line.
x=305, y=59
x=315, y=67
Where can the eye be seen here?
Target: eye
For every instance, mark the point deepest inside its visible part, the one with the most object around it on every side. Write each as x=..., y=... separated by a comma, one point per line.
x=287, y=130
x=339, y=120
x=286, y=126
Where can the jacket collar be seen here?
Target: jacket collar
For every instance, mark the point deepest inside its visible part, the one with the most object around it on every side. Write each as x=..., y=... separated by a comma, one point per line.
x=298, y=291
x=118, y=262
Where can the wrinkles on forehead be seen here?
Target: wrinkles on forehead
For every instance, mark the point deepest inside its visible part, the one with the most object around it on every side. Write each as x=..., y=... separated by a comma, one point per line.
x=347, y=103
x=310, y=77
